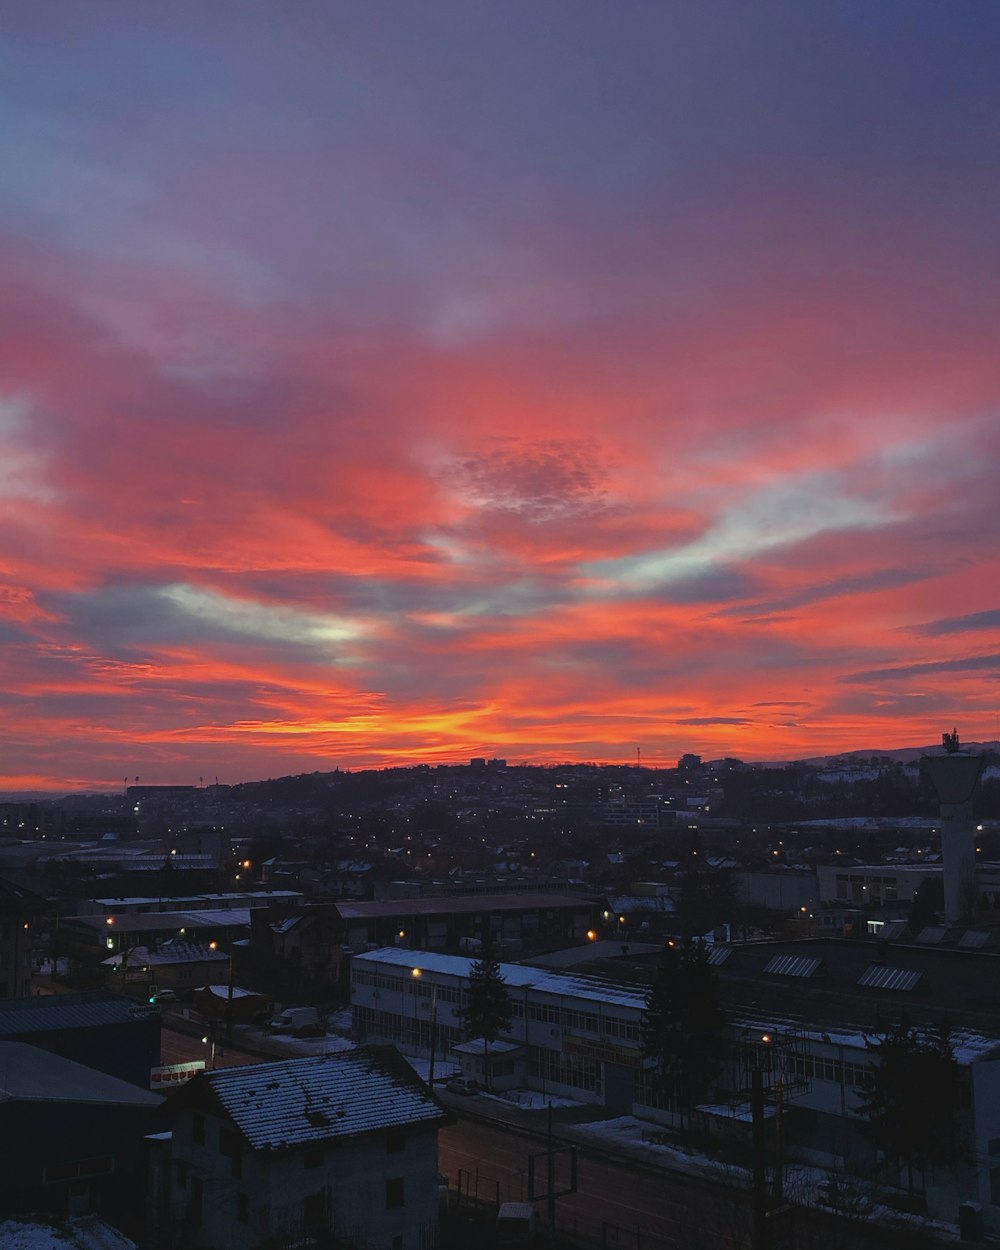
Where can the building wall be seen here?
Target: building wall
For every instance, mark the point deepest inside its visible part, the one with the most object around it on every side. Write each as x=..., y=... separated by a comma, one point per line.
x=872, y=883
x=74, y=1159
x=986, y=1137
x=777, y=891
x=15, y=954
x=381, y=1188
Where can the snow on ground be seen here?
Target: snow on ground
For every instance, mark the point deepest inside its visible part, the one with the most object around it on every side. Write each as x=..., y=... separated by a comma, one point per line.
x=284, y=1046
x=531, y=1099
x=88, y=1233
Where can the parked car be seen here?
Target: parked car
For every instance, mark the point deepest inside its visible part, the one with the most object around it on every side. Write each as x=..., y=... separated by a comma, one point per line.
x=462, y=1085
x=165, y=996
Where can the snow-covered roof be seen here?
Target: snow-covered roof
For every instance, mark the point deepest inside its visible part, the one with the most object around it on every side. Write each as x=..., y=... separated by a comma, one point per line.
x=168, y=953
x=517, y=976
x=224, y=991
x=299, y=1101
x=642, y=902
x=285, y=925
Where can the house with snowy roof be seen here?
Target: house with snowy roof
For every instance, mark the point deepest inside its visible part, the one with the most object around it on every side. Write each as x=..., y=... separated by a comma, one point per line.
x=175, y=965
x=328, y=1146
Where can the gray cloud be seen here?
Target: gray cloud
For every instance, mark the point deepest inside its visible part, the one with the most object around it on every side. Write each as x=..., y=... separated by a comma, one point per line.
x=712, y=720
x=875, y=582
x=973, y=663
x=545, y=480
x=960, y=624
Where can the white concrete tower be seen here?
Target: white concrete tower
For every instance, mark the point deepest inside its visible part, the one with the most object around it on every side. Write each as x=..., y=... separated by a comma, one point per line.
x=954, y=777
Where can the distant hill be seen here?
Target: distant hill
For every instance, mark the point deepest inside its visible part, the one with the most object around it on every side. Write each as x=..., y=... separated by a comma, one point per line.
x=904, y=755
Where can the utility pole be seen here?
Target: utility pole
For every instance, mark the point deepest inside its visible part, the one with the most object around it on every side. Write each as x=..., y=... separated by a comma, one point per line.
x=759, y=1164
x=550, y=1150
x=434, y=1020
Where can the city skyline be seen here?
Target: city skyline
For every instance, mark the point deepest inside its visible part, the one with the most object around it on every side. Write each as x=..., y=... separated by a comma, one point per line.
x=388, y=384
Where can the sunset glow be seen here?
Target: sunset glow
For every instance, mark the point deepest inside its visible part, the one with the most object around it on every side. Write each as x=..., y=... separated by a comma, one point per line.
x=396, y=383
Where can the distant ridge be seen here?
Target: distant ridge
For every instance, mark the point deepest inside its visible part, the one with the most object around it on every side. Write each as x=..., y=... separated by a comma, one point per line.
x=902, y=755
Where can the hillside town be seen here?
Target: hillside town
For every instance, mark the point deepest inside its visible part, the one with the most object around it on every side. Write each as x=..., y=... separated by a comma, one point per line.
x=310, y=1011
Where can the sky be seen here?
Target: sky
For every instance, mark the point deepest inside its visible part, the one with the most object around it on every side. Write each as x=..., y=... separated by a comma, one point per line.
x=387, y=382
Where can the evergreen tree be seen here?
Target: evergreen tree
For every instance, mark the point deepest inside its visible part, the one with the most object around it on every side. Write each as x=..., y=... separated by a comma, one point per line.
x=683, y=1029
x=910, y=1097
x=488, y=1008
x=928, y=900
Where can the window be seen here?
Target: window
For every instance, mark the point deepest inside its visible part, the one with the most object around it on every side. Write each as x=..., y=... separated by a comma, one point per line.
x=313, y=1159
x=395, y=1143
x=198, y=1130
x=394, y=1192
x=397, y=1243
x=243, y=1208
x=995, y=1186
x=181, y=1178
x=231, y=1148
x=314, y=1211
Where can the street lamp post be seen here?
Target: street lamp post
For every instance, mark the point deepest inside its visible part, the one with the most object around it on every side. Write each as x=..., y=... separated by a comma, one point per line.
x=417, y=973
x=434, y=1010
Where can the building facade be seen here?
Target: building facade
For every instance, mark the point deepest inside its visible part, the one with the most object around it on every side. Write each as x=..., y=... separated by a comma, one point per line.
x=580, y=1036
x=341, y=1146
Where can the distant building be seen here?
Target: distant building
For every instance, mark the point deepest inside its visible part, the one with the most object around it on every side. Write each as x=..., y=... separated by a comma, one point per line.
x=20, y=910
x=329, y=1147
x=175, y=965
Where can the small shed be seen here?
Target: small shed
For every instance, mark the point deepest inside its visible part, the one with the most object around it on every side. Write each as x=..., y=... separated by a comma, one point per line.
x=497, y=1065
x=219, y=1002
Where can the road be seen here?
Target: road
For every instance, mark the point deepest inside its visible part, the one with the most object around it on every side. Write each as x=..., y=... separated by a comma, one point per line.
x=615, y=1204
x=181, y=1048
x=622, y=1206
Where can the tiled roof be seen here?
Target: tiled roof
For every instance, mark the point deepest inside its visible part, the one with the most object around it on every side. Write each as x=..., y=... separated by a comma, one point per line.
x=298, y=1101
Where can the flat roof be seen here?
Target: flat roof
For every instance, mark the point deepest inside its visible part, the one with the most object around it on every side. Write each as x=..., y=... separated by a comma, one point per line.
x=517, y=976
x=149, y=921
x=30, y=1074
x=461, y=903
